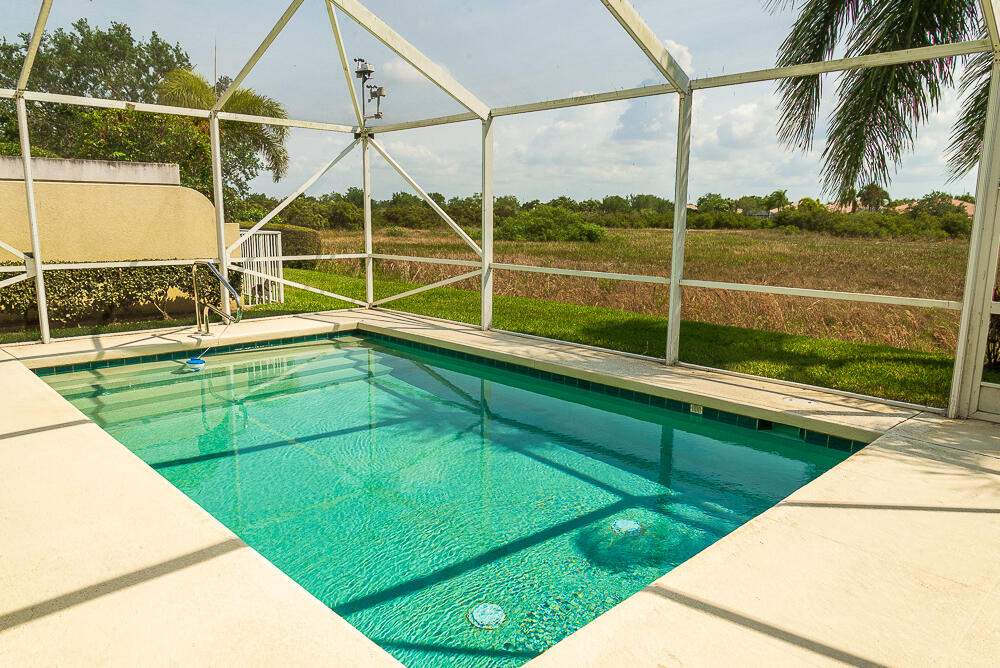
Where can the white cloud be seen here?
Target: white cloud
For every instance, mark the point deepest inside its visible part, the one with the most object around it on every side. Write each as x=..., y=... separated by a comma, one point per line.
x=627, y=147
x=681, y=54
x=398, y=70
x=421, y=158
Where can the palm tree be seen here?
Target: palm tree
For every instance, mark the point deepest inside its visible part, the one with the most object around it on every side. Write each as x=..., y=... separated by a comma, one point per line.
x=879, y=109
x=246, y=147
x=777, y=200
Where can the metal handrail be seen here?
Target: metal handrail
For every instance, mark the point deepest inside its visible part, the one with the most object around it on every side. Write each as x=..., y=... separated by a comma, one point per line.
x=201, y=315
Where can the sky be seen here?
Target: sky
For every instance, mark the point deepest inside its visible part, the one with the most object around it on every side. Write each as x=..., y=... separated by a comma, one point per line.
x=510, y=53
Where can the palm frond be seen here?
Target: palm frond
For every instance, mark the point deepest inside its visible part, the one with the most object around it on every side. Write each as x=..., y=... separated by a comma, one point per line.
x=879, y=109
x=185, y=88
x=967, y=133
x=266, y=140
x=813, y=37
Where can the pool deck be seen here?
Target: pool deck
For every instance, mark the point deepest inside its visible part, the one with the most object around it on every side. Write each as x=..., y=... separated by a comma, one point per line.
x=890, y=558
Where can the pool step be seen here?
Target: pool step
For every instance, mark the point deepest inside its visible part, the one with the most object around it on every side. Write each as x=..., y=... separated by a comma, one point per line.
x=127, y=377
x=209, y=394
x=133, y=375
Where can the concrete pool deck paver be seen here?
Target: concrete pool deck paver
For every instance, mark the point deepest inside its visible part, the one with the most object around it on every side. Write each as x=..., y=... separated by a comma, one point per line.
x=890, y=558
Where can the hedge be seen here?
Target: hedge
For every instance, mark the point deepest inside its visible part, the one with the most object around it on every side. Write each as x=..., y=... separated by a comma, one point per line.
x=297, y=240
x=13, y=148
x=74, y=296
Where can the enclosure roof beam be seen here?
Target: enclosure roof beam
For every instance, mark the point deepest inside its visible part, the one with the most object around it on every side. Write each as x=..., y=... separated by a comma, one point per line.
x=857, y=62
x=285, y=18
x=36, y=38
x=561, y=103
x=382, y=32
x=80, y=101
x=343, y=62
x=427, y=122
x=647, y=40
x=992, y=19
x=579, y=100
x=268, y=120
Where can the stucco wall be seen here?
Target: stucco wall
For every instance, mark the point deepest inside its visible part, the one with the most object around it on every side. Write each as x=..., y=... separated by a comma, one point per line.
x=94, y=222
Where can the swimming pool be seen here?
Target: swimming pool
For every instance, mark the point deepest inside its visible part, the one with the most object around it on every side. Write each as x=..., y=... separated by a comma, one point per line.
x=404, y=487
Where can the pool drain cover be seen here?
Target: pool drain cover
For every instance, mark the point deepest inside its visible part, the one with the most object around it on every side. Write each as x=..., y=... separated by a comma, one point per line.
x=626, y=527
x=487, y=616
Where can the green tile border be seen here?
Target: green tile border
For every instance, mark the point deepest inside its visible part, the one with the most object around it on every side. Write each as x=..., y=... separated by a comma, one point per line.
x=735, y=419
x=186, y=354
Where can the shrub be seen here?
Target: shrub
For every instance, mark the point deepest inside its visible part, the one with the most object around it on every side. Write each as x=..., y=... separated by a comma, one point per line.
x=875, y=224
x=344, y=215
x=13, y=148
x=858, y=225
x=725, y=220
x=305, y=212
x=956, y=224
x=415, y=216
x=992, y=359
x=548, y=223
x=78, y=295
x=298, y=241
x=395, y=231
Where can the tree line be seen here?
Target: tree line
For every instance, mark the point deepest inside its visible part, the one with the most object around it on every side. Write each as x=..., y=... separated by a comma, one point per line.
x=566, y=219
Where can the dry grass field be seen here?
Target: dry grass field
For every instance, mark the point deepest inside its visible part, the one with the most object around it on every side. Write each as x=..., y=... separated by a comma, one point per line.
x=917, y=268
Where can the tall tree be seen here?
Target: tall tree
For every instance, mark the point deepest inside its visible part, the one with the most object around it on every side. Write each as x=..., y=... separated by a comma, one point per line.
x=777, y=200
x=879, y=109
x=873, y=196
x=86, y=61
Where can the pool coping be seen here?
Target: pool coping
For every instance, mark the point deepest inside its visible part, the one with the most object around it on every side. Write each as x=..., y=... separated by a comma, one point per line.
x=719, y=620
x=851, y=418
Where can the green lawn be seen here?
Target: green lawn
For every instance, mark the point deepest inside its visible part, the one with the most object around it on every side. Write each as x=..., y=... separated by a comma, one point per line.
x=906, y=375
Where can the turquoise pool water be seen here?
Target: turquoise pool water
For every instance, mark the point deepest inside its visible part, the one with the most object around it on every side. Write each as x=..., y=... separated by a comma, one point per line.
x=402, y=487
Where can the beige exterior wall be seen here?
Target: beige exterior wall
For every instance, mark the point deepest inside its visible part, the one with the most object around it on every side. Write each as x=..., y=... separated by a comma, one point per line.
x=103, y=222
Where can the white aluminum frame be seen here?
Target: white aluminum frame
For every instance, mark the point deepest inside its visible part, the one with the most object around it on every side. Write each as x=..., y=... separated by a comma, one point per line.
x=975, y=308
x=427, y=198
x=683, y=160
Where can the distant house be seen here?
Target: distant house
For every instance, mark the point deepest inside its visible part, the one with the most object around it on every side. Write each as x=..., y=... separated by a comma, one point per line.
x=790, y=205
x=838, y=207
x=755, y=214
x=970, y=208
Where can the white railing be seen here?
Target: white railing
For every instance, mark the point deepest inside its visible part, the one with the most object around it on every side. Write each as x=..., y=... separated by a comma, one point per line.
x=261, y=252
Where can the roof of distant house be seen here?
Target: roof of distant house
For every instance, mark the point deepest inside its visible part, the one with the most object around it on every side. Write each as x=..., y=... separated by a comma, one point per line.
x=969, y=207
